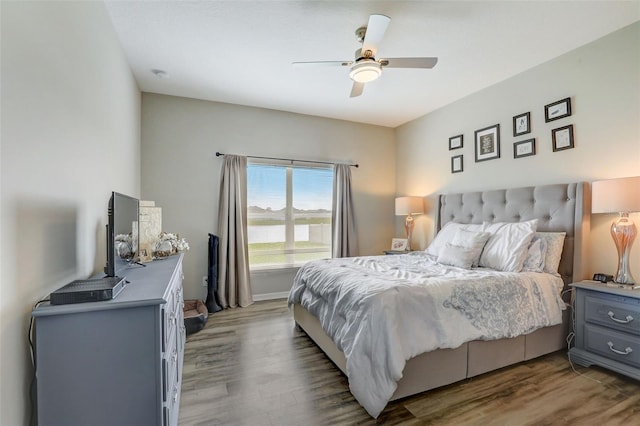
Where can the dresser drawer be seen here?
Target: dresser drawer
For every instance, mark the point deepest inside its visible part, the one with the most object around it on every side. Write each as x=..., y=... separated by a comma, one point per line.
x=620, y=313
x=170, y=322
x=170, y=411
x=169, y=368
x=617, y=346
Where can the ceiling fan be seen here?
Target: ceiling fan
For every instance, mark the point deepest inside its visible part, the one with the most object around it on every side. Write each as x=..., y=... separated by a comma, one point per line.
x=365, y=68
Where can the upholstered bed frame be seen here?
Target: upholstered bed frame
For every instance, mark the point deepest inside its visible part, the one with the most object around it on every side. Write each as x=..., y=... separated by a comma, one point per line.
x=558, y=208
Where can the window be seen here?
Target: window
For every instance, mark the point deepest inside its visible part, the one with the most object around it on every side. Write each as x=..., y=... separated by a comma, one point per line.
x=289, y=214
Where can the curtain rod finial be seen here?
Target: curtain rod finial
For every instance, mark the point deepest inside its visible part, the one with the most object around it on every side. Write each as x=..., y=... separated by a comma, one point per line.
x=218, y=154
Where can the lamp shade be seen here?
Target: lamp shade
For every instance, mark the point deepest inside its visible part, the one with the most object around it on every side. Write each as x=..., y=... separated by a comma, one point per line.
x=615, y=195
x=407, y=205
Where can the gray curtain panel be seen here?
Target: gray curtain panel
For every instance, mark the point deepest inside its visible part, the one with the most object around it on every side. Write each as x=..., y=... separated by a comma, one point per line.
x=234, y=285
x=344, y=242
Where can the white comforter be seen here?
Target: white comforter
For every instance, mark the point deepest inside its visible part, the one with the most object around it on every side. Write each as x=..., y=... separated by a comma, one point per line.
x=383, y=310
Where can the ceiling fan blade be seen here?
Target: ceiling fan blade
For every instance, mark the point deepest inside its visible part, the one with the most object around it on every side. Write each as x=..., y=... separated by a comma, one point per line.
x=375, y=31
x=409, y=62
x=323, y=64
x=357, y=89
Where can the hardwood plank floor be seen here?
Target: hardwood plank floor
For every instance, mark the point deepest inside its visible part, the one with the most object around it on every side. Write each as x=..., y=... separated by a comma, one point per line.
x=249, y=366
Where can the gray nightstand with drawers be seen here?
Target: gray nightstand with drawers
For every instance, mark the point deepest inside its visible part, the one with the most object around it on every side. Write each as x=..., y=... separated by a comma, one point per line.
x=607, y=328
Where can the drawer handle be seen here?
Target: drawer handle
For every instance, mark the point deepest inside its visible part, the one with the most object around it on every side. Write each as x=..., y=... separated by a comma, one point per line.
x=627, y=320
x=627, y=351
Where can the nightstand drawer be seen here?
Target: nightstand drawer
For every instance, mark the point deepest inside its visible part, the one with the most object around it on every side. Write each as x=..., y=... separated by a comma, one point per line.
x=611, y=311
x=613, y=345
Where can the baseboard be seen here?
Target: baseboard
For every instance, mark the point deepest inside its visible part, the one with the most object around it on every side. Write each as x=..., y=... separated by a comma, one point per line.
x=270, y=296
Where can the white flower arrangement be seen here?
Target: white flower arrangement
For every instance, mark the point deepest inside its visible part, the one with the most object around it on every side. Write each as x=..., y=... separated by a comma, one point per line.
x=124, y=245
x=169, y=243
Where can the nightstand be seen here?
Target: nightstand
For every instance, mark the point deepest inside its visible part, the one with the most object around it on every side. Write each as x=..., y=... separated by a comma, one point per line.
x=607, y=328
x=392, y=252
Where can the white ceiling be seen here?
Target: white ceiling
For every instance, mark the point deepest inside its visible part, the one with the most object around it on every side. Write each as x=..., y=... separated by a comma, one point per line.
x=241, y=52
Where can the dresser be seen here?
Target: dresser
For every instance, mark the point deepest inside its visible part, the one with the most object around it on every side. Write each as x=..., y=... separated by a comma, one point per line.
x=607, y=328
x=117, y=362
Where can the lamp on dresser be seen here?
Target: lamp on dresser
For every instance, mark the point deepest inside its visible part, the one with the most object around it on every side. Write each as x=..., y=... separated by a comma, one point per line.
x=409, y=206
x=620, y=196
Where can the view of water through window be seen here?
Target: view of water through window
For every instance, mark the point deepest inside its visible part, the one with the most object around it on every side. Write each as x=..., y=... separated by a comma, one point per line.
x=289, y=214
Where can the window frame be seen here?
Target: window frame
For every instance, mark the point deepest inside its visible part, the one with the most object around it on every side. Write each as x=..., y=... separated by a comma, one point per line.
x=289, y=250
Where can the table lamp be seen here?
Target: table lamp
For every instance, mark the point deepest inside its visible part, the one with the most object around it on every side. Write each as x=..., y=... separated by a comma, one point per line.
x=408, y=206
x=620, y=196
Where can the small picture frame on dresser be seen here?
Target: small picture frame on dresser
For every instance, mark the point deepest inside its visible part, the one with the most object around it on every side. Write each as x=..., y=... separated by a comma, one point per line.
x=399, y=244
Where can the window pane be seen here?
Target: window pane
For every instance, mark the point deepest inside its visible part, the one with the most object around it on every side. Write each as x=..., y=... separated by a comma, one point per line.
x=312, y=190
x=266, y=200
x=306, y=219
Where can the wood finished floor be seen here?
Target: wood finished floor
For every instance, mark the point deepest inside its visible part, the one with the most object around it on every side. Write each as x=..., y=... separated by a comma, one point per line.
x=249, y=366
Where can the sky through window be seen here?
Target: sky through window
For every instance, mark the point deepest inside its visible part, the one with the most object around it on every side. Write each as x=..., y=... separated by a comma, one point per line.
x=312, y=187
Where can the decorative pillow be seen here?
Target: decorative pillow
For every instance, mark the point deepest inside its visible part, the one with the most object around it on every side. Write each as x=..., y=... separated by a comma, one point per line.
x=534, y=262
x=472, y=240
x=555, y=244
x=507, y=247
x=459, y=256
x=445, y=235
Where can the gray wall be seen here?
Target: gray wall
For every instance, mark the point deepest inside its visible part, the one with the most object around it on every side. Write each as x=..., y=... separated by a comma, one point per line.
x=70, y=134
x=603, y=80
x=181, y=173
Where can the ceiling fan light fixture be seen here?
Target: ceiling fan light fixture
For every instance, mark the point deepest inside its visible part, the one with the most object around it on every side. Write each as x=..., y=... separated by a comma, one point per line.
x=365, y=71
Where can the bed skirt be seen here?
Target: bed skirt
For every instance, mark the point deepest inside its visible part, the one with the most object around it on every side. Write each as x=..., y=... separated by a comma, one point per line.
x=441, y=367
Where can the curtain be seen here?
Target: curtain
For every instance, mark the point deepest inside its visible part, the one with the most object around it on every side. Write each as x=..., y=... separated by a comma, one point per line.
x=234, y=286
x=343, y=241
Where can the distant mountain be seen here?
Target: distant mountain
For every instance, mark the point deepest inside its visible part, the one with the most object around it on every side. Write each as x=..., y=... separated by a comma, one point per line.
x=260, y=210
x=256, y=210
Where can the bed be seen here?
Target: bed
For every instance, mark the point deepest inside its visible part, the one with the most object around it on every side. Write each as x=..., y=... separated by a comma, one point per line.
x=561, y=208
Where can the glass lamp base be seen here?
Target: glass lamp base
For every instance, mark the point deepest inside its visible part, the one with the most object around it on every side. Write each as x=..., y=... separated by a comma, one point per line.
x=408, y=227
x=624, y=232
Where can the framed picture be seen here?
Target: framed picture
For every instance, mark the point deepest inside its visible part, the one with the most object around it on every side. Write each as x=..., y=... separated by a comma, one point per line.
x=557, y=110
x=455, y=142
x=522, y=124
x=562, y=138
x=524, y=148
x=488, y=143
x=456, y=164
x=399, y=244
x=145, y=253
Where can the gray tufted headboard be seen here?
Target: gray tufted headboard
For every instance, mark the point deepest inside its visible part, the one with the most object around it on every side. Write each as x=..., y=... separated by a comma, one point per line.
x=558, y=208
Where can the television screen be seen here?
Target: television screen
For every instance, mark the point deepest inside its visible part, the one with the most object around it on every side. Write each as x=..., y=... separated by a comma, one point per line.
x=122, y=234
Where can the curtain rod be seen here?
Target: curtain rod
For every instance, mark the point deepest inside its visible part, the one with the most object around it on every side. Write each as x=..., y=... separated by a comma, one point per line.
x=219, y=154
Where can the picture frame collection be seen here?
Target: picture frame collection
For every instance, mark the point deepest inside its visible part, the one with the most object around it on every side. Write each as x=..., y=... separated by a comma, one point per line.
x=487, y=139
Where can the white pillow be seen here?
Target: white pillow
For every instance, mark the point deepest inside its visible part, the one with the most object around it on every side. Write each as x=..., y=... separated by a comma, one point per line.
x=459, y=256
x=472, y=240
x=508, y=244
x=534, y=262
x=445, y=235
x=555, y=244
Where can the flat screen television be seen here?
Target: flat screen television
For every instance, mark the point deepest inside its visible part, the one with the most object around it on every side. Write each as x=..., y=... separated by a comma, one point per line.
x=122, y=234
